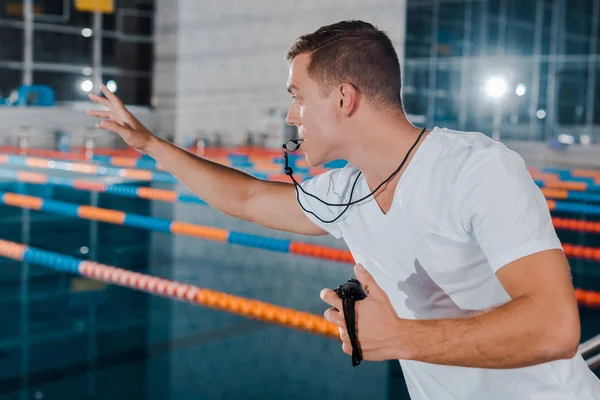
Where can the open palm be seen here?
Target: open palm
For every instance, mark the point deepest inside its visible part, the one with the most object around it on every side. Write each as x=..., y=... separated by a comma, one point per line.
x=119, y=120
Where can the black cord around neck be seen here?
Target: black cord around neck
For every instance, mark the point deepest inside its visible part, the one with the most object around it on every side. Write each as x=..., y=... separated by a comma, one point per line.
x=290, y=173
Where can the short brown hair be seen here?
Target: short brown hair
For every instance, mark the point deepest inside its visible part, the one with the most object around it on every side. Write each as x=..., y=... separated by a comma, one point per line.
x=355, y=52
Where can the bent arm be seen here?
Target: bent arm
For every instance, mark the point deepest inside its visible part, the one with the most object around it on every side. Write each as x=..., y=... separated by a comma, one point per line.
x=539, y=324
x=228, y=190
x=233, y=192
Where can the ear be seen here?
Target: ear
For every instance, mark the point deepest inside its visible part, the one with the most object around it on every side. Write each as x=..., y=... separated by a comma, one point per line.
x=348, y=98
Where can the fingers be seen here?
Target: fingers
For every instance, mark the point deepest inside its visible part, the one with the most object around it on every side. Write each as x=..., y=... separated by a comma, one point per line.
x=368, y=282
x=347, y=348
x=101, y=114
x=110, y=95
x=344, y=335
x=113, y=127
x=116, y=109
x=331, y=298
x=109, y=115
x=334, y=316
x=100, y=100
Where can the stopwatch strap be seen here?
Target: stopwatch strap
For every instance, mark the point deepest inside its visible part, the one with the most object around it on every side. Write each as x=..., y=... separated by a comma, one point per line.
x=350, y=317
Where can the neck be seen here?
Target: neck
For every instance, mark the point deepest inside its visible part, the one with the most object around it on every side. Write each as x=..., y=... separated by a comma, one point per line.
x=381, y=145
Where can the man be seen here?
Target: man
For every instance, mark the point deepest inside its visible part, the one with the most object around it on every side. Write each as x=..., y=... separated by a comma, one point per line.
x=467, y=284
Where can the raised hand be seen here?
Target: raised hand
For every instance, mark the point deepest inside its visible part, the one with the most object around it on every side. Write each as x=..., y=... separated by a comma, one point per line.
x=119, y=120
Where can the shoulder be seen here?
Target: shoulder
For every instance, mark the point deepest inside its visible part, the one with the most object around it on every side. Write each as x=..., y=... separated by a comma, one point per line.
x=467, y=144
x=469, y=155
x=486, y=173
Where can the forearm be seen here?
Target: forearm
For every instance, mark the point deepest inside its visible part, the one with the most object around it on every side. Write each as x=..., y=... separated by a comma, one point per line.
x=513, y=335
x=223, y=188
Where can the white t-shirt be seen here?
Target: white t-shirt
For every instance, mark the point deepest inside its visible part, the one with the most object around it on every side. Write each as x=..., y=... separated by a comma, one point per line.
x=464, y=207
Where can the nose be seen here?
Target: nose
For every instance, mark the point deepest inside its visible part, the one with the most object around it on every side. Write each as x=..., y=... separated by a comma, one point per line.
x=292, y=117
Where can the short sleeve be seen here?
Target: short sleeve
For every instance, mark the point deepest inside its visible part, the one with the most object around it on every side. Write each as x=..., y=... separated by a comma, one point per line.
x=323, y=187
x=502, y=208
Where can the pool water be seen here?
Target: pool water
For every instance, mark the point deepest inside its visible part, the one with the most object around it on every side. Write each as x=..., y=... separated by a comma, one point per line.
x=65, y=337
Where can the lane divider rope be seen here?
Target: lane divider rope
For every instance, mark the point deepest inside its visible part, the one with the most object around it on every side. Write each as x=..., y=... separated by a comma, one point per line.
x=174, y=227
x=250, y=308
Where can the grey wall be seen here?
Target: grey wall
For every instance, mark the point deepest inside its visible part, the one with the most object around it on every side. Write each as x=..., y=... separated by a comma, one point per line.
x=166, y=67
x=40, y=123
x=229, y=67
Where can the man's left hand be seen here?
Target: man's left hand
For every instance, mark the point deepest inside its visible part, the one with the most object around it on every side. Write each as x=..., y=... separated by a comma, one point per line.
x=378, y=327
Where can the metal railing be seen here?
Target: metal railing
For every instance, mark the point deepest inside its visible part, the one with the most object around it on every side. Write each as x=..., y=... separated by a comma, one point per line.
x=590, y=350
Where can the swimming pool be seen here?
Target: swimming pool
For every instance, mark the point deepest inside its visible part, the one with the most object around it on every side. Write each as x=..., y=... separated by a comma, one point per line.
x=66, y=337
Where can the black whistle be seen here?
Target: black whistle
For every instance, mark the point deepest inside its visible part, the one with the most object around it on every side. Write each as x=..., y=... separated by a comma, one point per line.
x=291, y=145
x=350, y=293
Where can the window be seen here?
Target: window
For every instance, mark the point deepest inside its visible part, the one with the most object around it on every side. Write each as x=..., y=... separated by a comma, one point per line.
x=450, y=40
x=493, y=32
x=520, y=27
x=131, y=89
x=596, y=106
x=47, y=11
x=61, y=12
x=133, y=17
x=447, y=80
x=12, y=44
x=63, y=55
x=578, y=27
x=67, y=86
x=516, y=102
x=478, y=28
x=137, y=23
x=415, y=103
x=543, y=85
x=50, y=47
x=479, y=106
x=571, y=94
x=11, y=9
x=548, y=24
x=418, y=31
x=446, y=112
x=10, y=79
x=519, y=38
x=521, y=10
x=447, y=94
x=127, y=55
x=415, y=89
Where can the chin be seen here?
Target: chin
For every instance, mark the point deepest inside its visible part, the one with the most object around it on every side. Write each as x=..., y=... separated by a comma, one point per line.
x=312, y=164
x=308, y=160
x=315, y=160
x=318, y=155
